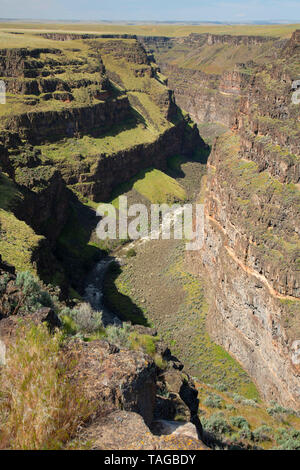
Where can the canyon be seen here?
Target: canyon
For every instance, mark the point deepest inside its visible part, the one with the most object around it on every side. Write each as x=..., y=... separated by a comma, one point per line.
x=251, y=199
x=210, y=118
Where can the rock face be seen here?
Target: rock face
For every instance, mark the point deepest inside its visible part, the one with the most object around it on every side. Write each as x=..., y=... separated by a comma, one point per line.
x=79, y=122
x=115, y=380
x=206, y=97
x=206, y=78
x=254, y=310
x=133, y=434
x=251, y=251
x=36, y=127
x=98, y=181
x=293, y=46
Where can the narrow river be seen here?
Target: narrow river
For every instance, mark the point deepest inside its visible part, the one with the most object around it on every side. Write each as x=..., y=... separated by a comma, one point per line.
x=93, y=292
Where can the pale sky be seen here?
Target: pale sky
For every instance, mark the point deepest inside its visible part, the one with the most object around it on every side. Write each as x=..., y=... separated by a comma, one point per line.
x=153, y=10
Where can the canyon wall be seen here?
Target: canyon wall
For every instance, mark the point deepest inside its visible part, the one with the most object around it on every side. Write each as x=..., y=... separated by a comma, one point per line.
x=208, y=71
x=83, y=114
x=250, y=258
x=252, y=244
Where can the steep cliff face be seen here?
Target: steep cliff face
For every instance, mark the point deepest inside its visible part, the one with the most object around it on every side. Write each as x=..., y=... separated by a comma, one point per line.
x=99, y=112
x=208, y=71
x=206, y=97
x=97, y=181
x=84, y=113
x=252, y=246
x=251, y=254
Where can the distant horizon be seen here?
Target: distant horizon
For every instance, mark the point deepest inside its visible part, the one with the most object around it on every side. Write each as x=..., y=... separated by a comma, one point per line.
x=166, y=11
x=128, y=22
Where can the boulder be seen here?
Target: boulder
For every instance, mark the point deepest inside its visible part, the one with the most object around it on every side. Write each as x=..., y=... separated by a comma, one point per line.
x=123, y=430
x=113, y=378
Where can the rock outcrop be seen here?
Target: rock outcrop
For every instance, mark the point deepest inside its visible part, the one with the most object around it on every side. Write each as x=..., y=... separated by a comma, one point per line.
x=133, y=434
x=206, y=78
x=117, y=379
x=122, y=387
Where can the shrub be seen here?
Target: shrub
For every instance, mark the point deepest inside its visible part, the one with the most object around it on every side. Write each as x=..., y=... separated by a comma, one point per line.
x=68, y=324
x=239, y=422
x=119, y=336
x=278, y=410
x=244, y=401
x=131, y=253
x=262, y=433
x=39, y=407
x=237, y=398
x=213, y=401
x=249, y=402
x=82, y=319
x=216, y=423
x=230, y=407
x=290, y=444
x=288, y=439
x=33, y=296
x=3, y=283
x=245, y=433
x=221, y=387
x=86, y=319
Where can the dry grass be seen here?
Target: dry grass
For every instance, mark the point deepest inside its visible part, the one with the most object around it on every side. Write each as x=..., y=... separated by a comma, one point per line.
x=39, y=407
x=144, y=29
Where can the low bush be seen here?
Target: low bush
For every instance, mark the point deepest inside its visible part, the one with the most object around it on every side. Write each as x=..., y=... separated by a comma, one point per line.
x=244, y=401
x=249, y=402
x=239, y=422
x=262, y=433
x=131, y=253
x=3, y=283
x=86, y=319
x=82, y=320
x=221, y=387
x=230, y=407
x=277, y=409
x=119, y=336
x=288, y=439
x=213, y=401
x=33, y=295
x=245, y=433
x=216, y=423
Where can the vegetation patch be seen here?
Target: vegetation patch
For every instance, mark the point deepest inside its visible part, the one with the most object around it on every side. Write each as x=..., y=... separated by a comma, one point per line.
x=120, y=137
x=242, y=423
x=18, y=242
x=159, y=188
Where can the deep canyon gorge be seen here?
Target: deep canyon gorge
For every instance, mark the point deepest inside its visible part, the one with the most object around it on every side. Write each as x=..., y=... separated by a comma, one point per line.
x=203, y=118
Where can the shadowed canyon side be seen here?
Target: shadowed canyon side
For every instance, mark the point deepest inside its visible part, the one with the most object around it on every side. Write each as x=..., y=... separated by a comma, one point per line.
x=84, y=114
x=251, y=251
